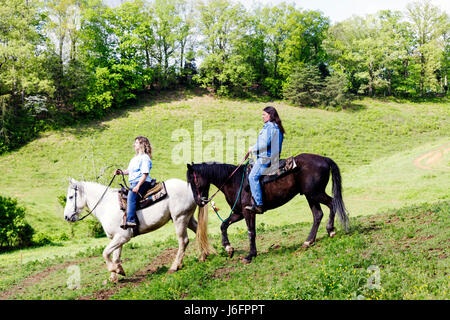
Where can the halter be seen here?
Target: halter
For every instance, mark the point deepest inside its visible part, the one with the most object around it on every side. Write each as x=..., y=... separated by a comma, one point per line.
x=90, y=211
x=75, y=202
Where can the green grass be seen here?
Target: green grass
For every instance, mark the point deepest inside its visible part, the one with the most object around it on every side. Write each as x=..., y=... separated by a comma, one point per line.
x=406, y=248
x=368, y=136
x=374, y=143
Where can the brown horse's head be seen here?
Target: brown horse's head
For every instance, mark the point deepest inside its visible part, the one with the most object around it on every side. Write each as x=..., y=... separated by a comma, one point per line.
x=199, y=184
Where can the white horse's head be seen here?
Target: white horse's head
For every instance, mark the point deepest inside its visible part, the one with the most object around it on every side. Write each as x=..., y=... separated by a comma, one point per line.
x=76, y=201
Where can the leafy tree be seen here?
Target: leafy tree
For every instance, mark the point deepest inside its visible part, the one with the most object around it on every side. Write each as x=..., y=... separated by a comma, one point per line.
x=306, y=32
x=397, y=40
x=429, y=25
x=20, y=71
x=222, y=26
x=167, y=25
x=276, y=31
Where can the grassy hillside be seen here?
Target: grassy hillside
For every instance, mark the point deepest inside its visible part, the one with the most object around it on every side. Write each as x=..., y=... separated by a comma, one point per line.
x=398, y=254
x=374, y=143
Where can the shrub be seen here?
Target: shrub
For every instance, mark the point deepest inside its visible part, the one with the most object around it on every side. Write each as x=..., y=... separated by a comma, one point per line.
x=41, y=239
x=274, y=86
x=306, y=87
x=14, y=230
x=335, y=91
x=95, y=229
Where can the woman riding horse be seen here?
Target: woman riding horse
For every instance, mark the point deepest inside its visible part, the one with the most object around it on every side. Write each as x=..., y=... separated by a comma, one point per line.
x=267, y=149
x=138, y=172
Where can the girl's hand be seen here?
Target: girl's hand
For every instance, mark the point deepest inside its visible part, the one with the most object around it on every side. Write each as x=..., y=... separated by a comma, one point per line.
x=117, y=172
x=135, y=189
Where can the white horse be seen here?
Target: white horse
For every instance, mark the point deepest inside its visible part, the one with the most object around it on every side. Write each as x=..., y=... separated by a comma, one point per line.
x=179, y=205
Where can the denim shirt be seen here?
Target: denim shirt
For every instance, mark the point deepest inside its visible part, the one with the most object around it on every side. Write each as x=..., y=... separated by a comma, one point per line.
x=269, y=142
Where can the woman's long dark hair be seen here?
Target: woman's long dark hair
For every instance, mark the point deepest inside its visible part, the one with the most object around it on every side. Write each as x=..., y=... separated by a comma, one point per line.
x=274, y=117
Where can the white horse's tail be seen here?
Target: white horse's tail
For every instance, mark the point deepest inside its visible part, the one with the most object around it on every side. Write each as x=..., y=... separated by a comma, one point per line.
x=202, y=234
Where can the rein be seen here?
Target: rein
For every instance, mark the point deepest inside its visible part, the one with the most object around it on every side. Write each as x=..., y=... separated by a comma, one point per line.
x=223, y=184
x=90, y=211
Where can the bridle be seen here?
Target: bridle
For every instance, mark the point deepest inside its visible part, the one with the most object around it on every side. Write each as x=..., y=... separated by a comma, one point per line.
x=203, y=199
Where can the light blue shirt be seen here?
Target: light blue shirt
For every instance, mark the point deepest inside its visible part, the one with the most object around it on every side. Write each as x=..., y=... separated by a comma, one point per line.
x=140, y=164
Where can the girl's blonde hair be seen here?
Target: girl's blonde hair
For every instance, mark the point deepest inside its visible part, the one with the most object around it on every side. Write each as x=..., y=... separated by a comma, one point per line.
x=145, y=144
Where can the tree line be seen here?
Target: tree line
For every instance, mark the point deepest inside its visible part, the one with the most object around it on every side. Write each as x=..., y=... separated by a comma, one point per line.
x=74, y=59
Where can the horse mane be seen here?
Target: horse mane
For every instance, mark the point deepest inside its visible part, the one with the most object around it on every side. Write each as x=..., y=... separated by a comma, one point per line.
x=214, y=171
x=101, y=187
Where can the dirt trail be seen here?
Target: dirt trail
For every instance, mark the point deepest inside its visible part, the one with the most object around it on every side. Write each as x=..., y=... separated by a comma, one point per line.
x=163, y=259
x=37, y=277
x=426, y=160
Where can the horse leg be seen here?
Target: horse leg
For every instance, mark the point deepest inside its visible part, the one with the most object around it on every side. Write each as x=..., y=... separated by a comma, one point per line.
x=117, y=242
x=193, y=224
x=328, y=201
x=116, y=259
x=183, y=240
x=317, y=216
x=250, y=219
x=224, y=228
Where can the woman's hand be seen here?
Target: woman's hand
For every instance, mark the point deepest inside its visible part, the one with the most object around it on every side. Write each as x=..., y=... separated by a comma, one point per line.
x=118, y=171
x=135, y=189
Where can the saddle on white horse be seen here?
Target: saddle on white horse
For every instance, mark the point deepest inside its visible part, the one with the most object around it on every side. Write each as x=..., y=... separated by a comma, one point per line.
x=156, y=193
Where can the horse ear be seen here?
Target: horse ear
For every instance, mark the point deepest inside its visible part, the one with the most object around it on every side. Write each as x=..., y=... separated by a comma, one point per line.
x=188, y=166
x=72, y=181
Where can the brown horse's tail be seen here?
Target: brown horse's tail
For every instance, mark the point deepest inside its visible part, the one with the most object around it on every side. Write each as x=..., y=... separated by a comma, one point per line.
x=338, y=203
x=202, y=233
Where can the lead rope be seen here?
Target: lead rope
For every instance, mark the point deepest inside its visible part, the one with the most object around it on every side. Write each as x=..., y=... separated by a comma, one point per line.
x=213, y=204
x=223, y=184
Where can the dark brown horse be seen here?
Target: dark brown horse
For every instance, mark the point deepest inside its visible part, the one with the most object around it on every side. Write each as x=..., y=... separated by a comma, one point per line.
x=309, y=178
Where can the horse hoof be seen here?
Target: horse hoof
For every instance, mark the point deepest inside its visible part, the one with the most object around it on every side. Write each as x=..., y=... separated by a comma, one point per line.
x=246, y=261
x=171, y=271
x=307, y=244
x=120, y=270
x=332, y=234
x=114, y=278
x=230, y=251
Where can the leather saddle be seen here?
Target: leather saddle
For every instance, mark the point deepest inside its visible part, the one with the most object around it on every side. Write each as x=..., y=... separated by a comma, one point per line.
x=284, y=167
x=156, y=193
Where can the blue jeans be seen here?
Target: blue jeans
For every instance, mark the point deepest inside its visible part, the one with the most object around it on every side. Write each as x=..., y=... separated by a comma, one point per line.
x=133, y=199
x=253, y=178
